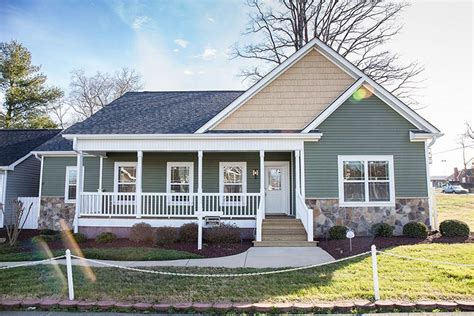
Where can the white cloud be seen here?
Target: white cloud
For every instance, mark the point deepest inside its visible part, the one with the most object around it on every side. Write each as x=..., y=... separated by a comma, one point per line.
x=211, y=20
x=208, y=54
x=139, y=21
x=188, y=72
x=181, y=42
x=176, y=50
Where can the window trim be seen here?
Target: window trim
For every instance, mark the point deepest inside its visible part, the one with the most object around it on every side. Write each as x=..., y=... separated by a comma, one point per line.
x=171, y=164
x=222, y=165
x=118, y=164
x=366, y=159
x=66, y=183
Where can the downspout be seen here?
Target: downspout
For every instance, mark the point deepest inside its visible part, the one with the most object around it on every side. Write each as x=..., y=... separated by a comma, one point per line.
x=433, y=211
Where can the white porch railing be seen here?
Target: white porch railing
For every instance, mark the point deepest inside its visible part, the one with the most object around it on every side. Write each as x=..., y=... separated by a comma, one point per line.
x=305, y=214
x=107, y=204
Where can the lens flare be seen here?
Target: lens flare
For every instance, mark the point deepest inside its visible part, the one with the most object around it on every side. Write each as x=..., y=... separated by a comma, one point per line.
x=45, y=248
x=71, y=244
x=362, y=93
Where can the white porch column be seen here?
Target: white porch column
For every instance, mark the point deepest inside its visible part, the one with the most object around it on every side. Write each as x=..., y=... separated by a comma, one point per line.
x=138, y=185
x=302, y=174
x=101, y=168
x=297, y=175
x=262, y=180
x=200, y=210
x=79, y=189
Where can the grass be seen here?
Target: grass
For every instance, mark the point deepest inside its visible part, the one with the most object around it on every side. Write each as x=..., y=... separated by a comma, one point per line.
x=126, y=253
x=456, y=206
x=399, y=280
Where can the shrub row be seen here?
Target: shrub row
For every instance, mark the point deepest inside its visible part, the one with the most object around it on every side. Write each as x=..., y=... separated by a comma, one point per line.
x=448, y=228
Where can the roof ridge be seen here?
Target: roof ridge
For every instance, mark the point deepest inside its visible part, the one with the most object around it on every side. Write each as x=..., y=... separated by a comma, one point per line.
x=28, y=129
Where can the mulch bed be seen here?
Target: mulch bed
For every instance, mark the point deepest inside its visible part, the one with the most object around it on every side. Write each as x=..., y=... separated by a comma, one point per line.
x=341, y=249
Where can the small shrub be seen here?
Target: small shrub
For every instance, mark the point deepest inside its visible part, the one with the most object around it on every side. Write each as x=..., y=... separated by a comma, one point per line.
x=188, y=232
x=165, y=235
x=223, y=234
x=415, y=230
x=382, y=230
x=141, y=232
x=454, y=228
x=48, y=232
x=106, y=237
x=337, y=232
x=79, y=238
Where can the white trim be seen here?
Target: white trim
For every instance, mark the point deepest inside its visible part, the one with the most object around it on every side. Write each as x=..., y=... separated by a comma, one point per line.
x=340, y=61
x=333, y=106
x=222, y=165
x=58, y=154
x=421, y=137
x=3, y=193
x=40, y=190
x=365, y=159
x=66, y=185
x=302, y=175
x=171, y=164
x=118, y=164
x=313, y=136
x=101, y=171
x=128, y=222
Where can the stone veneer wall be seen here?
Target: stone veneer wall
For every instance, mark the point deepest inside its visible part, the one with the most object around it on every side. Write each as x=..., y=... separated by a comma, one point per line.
x=327, y=213
x=52, y=210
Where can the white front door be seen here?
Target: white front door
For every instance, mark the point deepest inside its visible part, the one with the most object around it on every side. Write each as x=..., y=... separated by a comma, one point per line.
x=277, y=187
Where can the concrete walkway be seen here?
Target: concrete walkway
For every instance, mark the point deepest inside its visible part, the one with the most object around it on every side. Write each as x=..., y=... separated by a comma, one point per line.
x=254, y=257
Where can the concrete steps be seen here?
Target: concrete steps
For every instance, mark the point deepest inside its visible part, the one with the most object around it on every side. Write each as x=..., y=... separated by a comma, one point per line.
x=283, y=231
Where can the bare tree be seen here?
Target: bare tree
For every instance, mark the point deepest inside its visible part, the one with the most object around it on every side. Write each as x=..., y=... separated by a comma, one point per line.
x=357, y=30
x=91, y=93
x=59, y=111
x=469, y=131
x=14, y=228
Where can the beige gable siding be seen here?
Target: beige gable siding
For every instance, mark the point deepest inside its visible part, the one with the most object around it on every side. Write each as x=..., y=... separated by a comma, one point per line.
x=294, y=99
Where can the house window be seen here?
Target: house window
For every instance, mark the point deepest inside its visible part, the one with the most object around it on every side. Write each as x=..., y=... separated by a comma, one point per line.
x=125, y=177
x=366, y=181
x=71, y=184
x=232, y=180
x=179, y=177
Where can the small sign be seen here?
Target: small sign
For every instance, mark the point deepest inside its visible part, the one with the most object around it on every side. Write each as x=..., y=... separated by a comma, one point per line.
x=212, y=221
x=350, y=234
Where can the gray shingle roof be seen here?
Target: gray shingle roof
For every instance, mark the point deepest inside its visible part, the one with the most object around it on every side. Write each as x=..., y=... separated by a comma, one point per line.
x=180, y=112
x=17, y=143
x=57, y=143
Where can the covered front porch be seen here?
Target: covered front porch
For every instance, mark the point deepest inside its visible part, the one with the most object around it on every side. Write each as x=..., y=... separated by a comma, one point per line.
x=166, y=188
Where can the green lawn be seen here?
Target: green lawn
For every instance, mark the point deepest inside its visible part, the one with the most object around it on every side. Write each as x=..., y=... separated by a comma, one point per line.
x=128, y=253
x=456, y=206
x=399, y=279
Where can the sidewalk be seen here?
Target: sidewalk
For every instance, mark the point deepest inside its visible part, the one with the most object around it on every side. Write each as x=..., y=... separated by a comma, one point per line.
x=254, y=257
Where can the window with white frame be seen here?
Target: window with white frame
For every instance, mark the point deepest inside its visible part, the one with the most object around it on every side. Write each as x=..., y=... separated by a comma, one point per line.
x=179, y=181
x=70, y=184
x=125, y=178
x=366, y=181
x=232, y=180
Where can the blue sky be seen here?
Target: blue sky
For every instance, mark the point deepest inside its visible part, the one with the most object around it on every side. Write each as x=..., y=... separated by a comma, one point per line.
x=183, y=45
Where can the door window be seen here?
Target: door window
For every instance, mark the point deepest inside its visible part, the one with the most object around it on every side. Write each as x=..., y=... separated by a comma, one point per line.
x=274, y=179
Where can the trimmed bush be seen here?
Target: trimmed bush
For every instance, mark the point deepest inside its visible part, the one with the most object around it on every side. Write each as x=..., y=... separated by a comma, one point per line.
x=79, y=238
x=188, y=232
x=165, y=235
x=415, y=230
x=337, y=232
x=223, y=234
x=454, y=228
x=141, y=232
x=382, y=230
x=106, y=237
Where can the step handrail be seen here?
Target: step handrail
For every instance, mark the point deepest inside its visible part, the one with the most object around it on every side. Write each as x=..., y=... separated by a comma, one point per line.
x=306, y=216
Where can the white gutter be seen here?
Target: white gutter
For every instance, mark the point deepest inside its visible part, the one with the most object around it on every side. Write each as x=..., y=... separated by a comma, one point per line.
x=76, y=137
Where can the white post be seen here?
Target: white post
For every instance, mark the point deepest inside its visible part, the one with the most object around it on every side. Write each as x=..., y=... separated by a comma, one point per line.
x=297, y=176
x=101, y=168
x=302, y=174
x=139, y=184
x=70, y=284
x=79, y=189
x=200, y=210
x=262, y=180
x=375, y=275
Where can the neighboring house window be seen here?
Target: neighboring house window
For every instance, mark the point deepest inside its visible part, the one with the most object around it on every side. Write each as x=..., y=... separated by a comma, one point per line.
x=366, y=181
x=232, y=180
x=179, y=177
x=71, y=184
x=125, y=178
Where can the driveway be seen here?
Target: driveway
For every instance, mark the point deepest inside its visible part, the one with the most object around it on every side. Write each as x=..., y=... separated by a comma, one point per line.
x=254, y=257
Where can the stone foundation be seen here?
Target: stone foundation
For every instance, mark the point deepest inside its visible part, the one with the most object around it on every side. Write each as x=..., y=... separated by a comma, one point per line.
x=327, y=213
x=53, y=210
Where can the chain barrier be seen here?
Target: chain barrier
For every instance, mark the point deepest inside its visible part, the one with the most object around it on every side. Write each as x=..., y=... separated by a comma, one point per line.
x=32, y=263
x=426, y=260
x=226, y=275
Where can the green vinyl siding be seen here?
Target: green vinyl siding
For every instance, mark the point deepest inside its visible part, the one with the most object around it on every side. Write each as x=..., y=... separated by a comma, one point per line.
x=54, y=174
x=366, y=127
